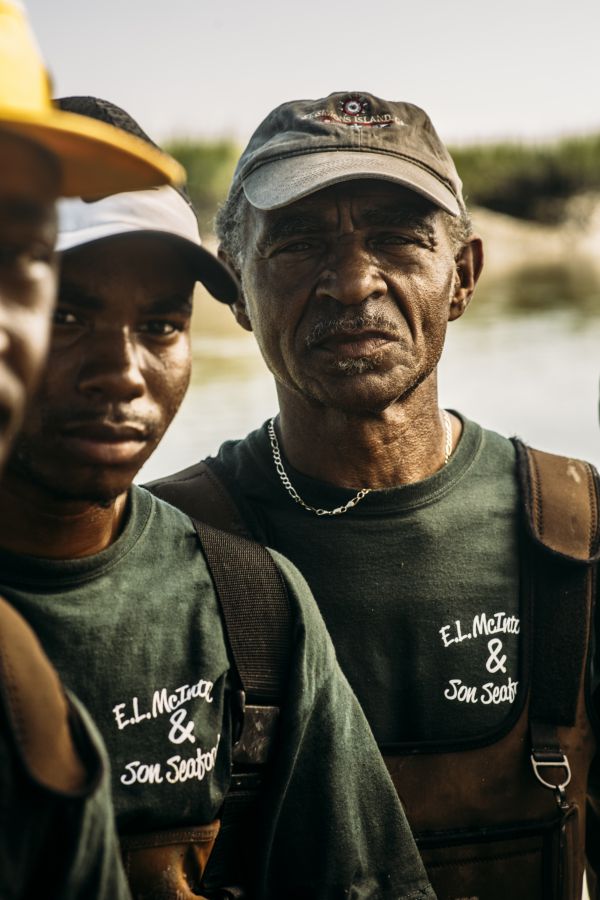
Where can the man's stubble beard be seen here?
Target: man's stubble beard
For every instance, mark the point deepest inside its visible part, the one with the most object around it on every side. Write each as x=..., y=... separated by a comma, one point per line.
x=356, y=367
x=22, y=467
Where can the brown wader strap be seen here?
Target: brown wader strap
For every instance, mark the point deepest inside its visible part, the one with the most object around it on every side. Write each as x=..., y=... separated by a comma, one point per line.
x=200, y=493
x=561, y=504
x=561, y=500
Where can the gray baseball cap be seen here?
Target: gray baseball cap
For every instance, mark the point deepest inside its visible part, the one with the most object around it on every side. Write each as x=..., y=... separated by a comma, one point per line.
x=307, y=145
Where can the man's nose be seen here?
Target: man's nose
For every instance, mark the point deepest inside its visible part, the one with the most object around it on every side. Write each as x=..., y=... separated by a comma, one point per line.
x=351, y=276
x=112, y=367
x=7, y=328
x=5, y=341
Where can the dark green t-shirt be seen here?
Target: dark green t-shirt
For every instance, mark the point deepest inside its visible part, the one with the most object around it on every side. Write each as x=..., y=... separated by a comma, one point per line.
x=136, y=632
x=150, y=665
x=418, y=585
x=78, y=829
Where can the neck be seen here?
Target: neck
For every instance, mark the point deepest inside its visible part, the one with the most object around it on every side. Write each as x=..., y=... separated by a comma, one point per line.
x=401, y=444
x=37, y=524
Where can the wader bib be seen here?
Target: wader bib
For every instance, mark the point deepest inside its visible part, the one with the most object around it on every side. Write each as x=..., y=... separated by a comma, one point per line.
x=501, y=816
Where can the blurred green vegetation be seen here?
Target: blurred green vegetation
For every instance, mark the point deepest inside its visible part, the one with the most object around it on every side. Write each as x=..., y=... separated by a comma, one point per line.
x=209, y=166
x=529, y=181
x=536, y=288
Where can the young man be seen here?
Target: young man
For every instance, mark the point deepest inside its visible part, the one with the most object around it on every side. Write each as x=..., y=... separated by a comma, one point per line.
x=428, y=542
x=57, y=835
x=116, y=585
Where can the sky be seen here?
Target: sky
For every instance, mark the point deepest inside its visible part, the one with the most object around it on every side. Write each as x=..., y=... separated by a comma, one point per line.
x=483, y=70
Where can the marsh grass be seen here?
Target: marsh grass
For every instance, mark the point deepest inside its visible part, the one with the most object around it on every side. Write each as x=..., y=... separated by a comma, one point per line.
x=528, y=181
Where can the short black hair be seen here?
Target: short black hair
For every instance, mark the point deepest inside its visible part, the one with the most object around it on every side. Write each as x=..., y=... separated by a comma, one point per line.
x=105, y=111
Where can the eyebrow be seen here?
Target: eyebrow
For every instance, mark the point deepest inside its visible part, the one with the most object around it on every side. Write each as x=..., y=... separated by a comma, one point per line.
x=172, y=304
x=289, y=226
x=19, y=211
x=75, y=295
x=402, y=218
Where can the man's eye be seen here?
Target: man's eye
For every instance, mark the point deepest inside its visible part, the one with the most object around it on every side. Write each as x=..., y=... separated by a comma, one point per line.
x=296, y=247
x=22, y=259
x=64, y=317
x=395, y=240
x=161, y=327
x=41, y=253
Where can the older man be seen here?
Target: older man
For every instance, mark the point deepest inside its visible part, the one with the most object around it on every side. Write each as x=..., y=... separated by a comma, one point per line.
x=348, y=230
x=56, y=819
x=122, y=596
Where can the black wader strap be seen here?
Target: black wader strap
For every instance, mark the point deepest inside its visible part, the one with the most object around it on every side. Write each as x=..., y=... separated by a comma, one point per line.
x=258, y=621
x=256, y=610
x=561, y=514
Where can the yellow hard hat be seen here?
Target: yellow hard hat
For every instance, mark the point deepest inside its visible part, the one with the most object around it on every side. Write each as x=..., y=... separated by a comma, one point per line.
x=97, y=159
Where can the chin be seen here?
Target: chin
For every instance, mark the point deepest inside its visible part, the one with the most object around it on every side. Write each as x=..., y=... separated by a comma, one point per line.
x=73, y=483
x=359, y=391
x=97, y=485
x=95, y=492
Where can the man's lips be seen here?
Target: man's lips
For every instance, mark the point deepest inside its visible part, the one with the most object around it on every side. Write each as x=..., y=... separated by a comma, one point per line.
x=104, y=442
x=355, y=344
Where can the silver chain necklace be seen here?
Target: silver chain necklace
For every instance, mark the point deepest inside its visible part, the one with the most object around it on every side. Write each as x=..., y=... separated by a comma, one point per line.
x=339, y=510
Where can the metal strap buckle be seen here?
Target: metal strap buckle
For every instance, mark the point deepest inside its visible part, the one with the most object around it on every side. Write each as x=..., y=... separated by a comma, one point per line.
x=562, y=763
x=257, y=736
x=245, y=781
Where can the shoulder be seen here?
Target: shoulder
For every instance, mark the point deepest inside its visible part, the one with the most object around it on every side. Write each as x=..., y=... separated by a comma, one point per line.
x=238, y=458
x=170, y=548
x=487, y=445
x=160, y=513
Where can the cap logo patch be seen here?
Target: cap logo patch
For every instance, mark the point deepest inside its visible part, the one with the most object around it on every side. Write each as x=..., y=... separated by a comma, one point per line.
x=354, y=110
x=354, y=105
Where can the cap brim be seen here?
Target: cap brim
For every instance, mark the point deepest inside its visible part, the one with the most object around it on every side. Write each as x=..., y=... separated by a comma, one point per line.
x=96, y=159
x=211, y=272
x=207, y=268
x=282, y=181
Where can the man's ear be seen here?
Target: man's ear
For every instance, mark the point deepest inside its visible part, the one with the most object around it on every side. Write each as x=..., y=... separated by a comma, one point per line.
x=469, y=264
x=238, y=307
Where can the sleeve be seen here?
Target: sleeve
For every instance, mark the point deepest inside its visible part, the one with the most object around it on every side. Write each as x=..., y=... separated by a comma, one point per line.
x=333, y=823
x=57, y=830
x=95, y=871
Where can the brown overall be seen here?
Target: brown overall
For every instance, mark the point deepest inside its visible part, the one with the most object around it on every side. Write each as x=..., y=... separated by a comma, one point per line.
x=504, y=817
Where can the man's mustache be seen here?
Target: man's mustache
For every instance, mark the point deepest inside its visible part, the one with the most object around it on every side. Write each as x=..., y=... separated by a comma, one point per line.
x=322, y=331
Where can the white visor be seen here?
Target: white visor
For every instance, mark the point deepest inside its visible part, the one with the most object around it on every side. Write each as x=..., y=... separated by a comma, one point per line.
x=157, y=211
